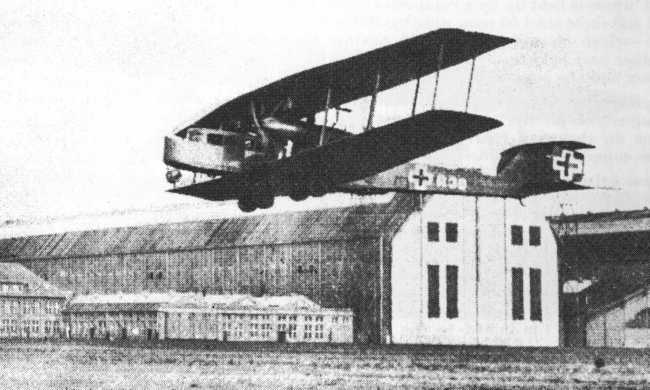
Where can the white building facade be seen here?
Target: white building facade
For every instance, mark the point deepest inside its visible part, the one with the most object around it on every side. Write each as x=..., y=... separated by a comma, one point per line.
x=475, y=271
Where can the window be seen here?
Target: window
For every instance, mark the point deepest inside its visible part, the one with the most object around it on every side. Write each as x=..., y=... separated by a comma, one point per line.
x=451, y=232
x=534, y=235
x=254, y=330
x=434, y=291
x=452, y=291
x=266, y=330
x=195, y=135
x=517, y=294
x=215, y=139
x=307, y=334
x=292, y=327
x=318, y=334
x=433, y=231
x=535, y=294
x=517, y=235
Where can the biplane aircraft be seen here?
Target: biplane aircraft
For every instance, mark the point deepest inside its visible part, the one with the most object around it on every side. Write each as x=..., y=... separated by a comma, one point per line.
x=266, y=143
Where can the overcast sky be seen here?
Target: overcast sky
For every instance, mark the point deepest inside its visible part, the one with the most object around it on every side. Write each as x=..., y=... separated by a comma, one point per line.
x=87, y=92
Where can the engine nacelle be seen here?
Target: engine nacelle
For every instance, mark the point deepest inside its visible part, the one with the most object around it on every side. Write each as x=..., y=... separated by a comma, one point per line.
x=283, y=128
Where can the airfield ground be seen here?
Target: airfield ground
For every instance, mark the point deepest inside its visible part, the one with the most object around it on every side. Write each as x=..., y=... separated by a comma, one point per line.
x=200, y=366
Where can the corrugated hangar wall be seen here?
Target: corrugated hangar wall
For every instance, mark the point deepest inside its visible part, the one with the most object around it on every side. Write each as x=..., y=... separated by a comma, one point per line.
x=331, y=256
x=337, y=274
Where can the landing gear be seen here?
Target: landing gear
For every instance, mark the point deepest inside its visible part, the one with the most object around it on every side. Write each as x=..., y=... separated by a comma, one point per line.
x=298, y=196
x=250, y=203
x=265, y=202
x=246, y=205
x=298, y=193
x=318, y=188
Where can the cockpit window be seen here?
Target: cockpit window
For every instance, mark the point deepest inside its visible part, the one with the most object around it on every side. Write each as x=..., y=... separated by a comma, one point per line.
x=215, y=139
x=195, y=135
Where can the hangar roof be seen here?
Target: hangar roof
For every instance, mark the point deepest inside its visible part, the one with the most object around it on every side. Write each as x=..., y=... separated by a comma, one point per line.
x=369, y=220
x=614, y=235
x=602, y=223
x=612, y=248
x=603, y=216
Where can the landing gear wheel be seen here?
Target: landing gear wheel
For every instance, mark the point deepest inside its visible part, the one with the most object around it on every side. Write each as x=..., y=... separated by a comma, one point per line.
x=298, y=193
x=298, y=196
x=318, y=188
x=265, y=202
x=246, y=205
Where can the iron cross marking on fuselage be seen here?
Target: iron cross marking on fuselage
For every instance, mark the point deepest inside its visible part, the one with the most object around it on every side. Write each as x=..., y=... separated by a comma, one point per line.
x=420, y=178
x=568, y=165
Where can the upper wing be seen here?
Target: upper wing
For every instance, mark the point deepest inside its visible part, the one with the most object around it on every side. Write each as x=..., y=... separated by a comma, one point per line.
x=351, y=158
x=355, y=77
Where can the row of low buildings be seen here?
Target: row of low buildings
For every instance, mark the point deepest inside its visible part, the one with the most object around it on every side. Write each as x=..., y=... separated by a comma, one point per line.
x=453, y=270
x=32, y=308
x=207, y=317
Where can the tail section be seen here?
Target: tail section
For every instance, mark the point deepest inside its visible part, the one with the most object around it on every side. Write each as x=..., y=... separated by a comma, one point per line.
x=543, y=167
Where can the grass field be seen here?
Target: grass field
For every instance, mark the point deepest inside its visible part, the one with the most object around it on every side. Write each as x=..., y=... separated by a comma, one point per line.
x=201, y=366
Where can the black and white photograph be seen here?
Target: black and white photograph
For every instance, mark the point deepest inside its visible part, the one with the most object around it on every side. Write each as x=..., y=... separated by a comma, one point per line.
x=325, y=195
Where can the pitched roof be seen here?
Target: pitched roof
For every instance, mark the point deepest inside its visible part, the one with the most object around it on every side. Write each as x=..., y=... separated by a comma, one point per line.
x=16, y=273
x=148, y=301
x=369, y=220
x=617, y=300
x=602, y=216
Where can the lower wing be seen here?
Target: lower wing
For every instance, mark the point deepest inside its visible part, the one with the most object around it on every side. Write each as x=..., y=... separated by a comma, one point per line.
x=351, y=158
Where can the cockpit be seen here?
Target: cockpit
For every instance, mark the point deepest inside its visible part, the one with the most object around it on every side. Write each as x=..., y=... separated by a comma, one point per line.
x=213, y=137
x=212, y=151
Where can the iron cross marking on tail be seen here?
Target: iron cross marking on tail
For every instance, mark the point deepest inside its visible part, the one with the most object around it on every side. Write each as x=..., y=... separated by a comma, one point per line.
x=568, y=165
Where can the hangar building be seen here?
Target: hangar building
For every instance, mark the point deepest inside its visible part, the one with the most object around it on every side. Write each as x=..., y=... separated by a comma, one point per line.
x=444, y=269
x=610, y=250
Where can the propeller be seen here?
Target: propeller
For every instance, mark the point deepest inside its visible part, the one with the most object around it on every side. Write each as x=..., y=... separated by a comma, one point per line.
x=268, y=144
x=264, y=137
